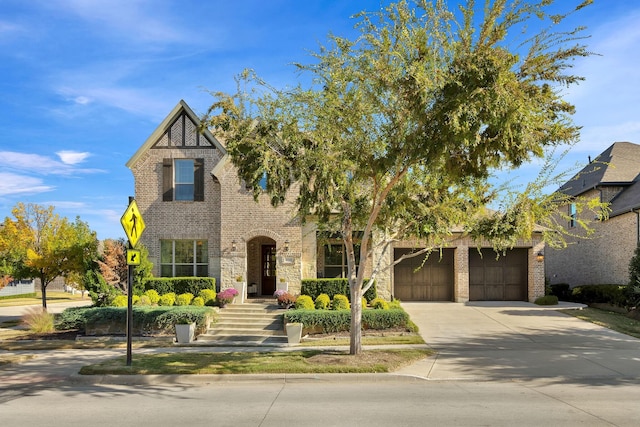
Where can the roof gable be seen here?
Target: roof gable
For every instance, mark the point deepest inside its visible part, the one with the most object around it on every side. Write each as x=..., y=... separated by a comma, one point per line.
x=180, y=129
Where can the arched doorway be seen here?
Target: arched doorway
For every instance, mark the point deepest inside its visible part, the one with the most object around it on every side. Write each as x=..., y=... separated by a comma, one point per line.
x=261, y=264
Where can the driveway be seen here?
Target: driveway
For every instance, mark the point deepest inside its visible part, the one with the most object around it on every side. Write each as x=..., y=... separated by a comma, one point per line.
x=518, y=340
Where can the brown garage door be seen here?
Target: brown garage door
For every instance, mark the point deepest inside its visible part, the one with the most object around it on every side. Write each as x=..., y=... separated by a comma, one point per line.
x=502, y=279
x=431, y=282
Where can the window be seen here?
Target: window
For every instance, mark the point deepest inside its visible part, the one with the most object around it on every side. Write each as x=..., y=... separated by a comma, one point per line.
x=572, y=215
x=183, y=180
x=335, y=260
x=180, y=258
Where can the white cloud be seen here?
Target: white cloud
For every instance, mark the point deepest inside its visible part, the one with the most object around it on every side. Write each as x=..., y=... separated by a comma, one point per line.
x=11, y=183
x=40, y=165
x=72, y=157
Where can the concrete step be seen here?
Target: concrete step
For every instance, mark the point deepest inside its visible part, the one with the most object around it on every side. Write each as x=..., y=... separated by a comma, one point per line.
x=247, y=324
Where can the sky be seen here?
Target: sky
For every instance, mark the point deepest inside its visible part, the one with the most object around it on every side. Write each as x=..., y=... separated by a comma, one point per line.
x=83, y=83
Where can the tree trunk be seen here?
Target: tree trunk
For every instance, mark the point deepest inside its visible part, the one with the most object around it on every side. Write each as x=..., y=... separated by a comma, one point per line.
x=43, y=289
x=355, y=344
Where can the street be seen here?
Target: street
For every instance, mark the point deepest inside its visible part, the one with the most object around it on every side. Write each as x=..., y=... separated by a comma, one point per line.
x=317, y=402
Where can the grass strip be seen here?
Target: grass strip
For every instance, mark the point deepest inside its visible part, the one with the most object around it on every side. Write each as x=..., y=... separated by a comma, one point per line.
x=609, y=319
x=373, y=340
x=308, y=361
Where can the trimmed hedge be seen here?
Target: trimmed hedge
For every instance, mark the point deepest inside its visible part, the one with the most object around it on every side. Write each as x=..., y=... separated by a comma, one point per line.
x=331, y=287
x=180, y=285
x=547, y=300
x=330, y=321
x=146, y=320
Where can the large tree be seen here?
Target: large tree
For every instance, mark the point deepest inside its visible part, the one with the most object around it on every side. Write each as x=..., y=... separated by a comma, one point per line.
x=38, y=243
x=400, y=130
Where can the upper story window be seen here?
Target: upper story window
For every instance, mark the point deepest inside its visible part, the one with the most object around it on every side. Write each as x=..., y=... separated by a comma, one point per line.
x=573, y=215
x=183, y=180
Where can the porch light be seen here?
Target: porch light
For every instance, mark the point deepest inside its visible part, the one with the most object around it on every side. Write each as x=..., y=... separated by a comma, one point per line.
x=540, y=256
x=234, y=245
x=286, y=246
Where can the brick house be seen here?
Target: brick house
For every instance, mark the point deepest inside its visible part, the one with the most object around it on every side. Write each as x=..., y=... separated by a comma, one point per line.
x=201, y=220
x=603, y=258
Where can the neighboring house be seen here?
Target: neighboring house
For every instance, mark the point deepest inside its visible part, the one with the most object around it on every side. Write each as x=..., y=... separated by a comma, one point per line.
x=201, y=220
x=603, y=257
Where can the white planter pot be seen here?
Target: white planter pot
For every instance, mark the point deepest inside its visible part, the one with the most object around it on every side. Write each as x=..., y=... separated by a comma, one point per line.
x=282, y=286
x=294, y=332
x=185, y=333
x=241, y=287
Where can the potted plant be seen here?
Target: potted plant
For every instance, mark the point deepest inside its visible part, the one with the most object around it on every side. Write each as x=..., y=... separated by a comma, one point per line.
x=294, y=332
x=285, y=299
x=185, y=329
x=226, y=296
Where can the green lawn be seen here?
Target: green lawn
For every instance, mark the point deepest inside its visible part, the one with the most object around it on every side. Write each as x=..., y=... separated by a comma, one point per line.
x=609, y=319
x=52, y=298
x=309, y=361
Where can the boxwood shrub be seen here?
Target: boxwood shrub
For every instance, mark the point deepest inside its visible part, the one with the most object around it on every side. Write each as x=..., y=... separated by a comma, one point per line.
x=180, y=285
x=331, y=287
x=330, y=321
x=146, y=320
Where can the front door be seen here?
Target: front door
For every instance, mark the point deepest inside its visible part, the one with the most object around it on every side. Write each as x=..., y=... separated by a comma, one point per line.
x=268, y=269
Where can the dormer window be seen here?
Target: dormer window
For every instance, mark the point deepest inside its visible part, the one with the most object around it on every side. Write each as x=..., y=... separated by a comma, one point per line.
x=183, y=180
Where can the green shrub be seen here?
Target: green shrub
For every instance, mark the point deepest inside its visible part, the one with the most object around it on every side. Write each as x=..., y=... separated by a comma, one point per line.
x=207, y=295
x=364, y=302
x=120, y=301
x=198, y=302
x=38, y=320
x=561, y=290
x=340, y=302
x=100, y=292
x=167, y=299
x=379, y=304
x=184, y=299
x=153, y=295
x=322, y=302
x=144, y=300
x=394, y=303
x=180, y=285
x=146, y=319
x=332, y=287
x=135, y=299
x=603, y=294
x=304, y=302
x=331, y=321
x=547, y=300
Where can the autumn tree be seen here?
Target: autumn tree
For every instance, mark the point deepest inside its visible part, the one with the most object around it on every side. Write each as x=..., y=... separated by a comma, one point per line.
x=400, y=129
x=113, y=265
x=38, y=243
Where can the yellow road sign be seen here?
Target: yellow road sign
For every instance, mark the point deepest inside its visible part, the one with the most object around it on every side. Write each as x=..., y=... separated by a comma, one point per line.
x=132, y=223
x=133, y=257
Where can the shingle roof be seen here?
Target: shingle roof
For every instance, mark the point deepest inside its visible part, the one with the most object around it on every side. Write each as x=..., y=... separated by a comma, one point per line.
x=617, y=165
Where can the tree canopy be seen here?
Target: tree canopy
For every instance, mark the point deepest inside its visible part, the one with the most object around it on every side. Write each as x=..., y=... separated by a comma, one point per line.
x=38, y=243
x=401, y=128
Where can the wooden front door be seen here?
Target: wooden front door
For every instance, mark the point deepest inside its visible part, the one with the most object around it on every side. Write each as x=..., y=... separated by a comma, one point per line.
x=268, y=269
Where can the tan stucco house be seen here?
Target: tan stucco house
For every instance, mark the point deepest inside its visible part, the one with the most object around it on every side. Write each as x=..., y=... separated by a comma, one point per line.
x=603, y=258
x=201, y=220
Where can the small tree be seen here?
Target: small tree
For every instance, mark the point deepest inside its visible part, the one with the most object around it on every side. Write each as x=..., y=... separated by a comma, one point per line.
x=37, y=243
x=402, y=128
x=113, y=265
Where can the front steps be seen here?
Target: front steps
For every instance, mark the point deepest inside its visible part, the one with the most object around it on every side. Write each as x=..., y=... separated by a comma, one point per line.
x=254, y=323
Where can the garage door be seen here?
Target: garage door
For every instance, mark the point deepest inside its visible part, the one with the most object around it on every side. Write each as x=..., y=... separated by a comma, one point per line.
x=431, y=282
x=502, y=279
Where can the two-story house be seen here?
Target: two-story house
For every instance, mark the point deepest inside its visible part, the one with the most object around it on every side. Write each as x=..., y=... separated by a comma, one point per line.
x=202, y=221
x=602, y=258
